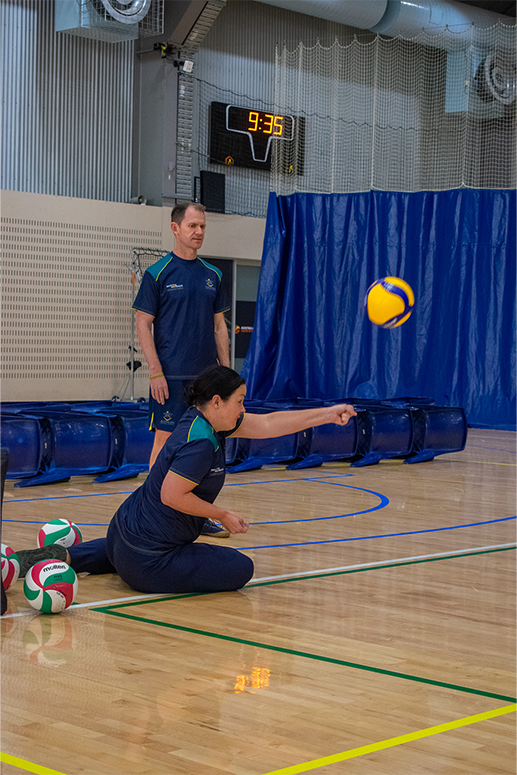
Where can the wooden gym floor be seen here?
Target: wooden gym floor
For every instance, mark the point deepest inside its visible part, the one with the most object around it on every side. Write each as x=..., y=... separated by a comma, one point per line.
x=376, y=638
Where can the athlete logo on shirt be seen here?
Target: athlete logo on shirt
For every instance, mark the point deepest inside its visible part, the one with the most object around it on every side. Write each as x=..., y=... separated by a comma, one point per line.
x=174, y=287
x=209, y=283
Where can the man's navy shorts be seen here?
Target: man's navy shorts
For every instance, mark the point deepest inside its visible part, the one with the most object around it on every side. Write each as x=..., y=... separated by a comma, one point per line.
x=164, y=417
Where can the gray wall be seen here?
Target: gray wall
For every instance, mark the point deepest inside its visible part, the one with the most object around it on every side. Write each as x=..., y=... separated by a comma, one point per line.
x=67, y=108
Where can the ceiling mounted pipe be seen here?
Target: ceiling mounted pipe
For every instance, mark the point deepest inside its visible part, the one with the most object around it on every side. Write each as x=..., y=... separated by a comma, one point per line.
x=354, y=13
x=434, y=16
x=401, y=17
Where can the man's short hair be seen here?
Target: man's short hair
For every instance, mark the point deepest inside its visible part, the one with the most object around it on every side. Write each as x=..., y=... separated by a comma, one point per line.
x=178, y=212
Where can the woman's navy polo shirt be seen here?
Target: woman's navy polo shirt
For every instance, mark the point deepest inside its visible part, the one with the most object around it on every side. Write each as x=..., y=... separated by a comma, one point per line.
x=195, y=451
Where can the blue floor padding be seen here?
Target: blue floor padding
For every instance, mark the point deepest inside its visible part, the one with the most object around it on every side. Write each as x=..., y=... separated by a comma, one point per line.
x=50, y=442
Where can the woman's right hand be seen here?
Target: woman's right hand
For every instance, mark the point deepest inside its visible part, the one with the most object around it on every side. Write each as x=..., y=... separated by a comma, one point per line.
x=234, y=523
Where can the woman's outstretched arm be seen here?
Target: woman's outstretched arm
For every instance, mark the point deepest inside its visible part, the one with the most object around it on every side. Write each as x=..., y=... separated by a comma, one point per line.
x=266, y=426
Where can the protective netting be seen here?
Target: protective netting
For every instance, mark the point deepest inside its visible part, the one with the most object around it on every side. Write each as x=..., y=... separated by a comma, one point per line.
x=398, y=115
x=246, y=190
x=141, y=259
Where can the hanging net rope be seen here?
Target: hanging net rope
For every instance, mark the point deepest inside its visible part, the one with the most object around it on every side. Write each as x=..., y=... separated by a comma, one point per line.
x=399, y=115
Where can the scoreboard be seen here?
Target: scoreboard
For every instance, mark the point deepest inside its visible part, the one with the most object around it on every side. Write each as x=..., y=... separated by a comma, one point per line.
x=244, y=137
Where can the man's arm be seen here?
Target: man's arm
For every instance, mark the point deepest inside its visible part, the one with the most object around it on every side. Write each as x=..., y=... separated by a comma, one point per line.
x=221, y=339
x=144, y=330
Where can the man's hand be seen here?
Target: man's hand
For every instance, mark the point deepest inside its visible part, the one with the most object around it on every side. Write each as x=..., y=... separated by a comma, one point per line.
x=159, y=389
x=234, y=523
x=341, y=413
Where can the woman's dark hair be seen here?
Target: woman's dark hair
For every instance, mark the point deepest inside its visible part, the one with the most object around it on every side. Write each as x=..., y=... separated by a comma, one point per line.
x=214, y=381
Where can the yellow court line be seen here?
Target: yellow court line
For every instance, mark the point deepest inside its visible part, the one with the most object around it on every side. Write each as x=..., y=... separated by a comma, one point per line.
x=490, y=463
x=365, y=749
x=29, y=766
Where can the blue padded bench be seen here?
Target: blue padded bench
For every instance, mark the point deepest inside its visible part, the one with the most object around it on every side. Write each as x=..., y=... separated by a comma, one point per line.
x=25, y=440
x=326, y=443
x=249, y=454
x=254, y=453
x=437, y=430
x=133, y=442
x=132, y=439
x=80, y=444
x=383, y=432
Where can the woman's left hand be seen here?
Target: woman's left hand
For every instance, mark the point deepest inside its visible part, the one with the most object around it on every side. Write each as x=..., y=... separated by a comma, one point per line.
x=233, y=522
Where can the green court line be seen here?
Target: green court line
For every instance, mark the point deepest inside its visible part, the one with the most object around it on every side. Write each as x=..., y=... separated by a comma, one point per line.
x=382, y=567
x=107, y=608
x=317, y=657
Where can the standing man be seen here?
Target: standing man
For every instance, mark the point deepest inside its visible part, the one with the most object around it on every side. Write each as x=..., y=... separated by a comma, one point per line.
x=180, y=324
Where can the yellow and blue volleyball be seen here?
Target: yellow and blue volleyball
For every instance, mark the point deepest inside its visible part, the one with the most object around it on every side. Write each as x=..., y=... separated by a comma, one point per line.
x=59, y=531
x=10, y=566
x=389, y=302
x=50, y=586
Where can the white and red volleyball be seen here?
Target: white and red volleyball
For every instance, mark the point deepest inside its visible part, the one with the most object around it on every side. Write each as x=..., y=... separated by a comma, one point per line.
x=59, y=531
x=10, y=566
x=50, y=586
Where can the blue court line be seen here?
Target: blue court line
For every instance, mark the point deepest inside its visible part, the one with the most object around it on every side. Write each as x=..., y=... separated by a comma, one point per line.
x=366, y=538
x=234, y=484
x=282, y=481
x=65, y=497
x=383, y=502
x=39, y=522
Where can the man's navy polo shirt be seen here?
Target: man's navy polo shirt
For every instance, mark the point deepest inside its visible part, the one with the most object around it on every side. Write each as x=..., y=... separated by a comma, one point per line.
x=183, y=296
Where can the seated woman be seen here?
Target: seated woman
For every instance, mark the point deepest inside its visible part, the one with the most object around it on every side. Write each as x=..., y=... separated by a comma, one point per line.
x=150, y=541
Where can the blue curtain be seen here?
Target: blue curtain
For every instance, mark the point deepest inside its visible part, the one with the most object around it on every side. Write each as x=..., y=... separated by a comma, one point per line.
x=456, y=249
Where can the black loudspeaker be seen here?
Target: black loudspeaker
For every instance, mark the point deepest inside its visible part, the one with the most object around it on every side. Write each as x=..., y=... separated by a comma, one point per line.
x=213, y=191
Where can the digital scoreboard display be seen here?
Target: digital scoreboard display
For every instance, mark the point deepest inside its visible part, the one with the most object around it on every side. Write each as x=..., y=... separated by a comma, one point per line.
x=244, y=137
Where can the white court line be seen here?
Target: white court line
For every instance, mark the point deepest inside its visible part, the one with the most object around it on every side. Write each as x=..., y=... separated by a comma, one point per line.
x=396, y=561
x=382, y=562
x=90, y=605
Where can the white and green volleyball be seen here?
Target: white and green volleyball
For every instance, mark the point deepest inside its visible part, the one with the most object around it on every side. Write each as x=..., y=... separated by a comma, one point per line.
x=49, y=640
x=10, y=566
x=59, y=531
x=50, y=586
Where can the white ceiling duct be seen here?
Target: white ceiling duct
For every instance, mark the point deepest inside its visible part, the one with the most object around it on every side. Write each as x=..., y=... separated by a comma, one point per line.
x=354, y=13
x=434, y=16
x=399, y=17
x=442, y=21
